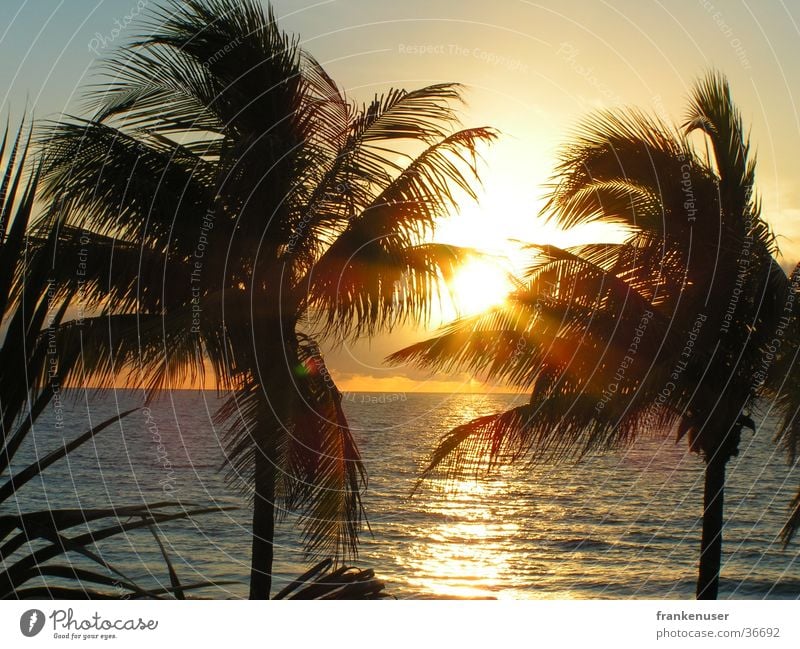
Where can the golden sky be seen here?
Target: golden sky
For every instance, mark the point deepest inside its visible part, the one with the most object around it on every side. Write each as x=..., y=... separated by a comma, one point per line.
x=531, y=69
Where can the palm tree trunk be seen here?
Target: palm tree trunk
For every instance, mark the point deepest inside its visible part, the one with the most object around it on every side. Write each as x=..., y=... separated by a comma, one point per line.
x=263, y=524
x=711, y=543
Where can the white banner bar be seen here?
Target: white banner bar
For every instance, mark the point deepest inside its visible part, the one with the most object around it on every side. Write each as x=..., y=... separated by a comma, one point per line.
x=407, y=624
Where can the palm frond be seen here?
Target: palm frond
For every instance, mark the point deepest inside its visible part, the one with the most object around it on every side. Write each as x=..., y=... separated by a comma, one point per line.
x=131, y=192
x=357, y=284
x=19, y=570
x=320, y=475
x=596, y=332
x=19, y=479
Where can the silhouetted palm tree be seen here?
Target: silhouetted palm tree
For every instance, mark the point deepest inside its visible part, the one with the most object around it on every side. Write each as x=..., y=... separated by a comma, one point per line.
x=39, y=547
x=234, y=208
x=680, y=328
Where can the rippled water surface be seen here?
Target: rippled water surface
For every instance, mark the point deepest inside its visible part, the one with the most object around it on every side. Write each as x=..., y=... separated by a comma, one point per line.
x=619, y=526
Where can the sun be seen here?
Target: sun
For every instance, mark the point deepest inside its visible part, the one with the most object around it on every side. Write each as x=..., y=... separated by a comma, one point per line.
x=478, y=285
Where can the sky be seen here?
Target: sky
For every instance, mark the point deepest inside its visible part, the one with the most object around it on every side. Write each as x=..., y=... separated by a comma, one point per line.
x=532, y=70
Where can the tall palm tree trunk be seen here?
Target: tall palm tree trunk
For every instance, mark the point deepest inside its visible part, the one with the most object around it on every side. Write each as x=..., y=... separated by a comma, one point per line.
x=273, y=408
x=711, y=543
x=263, y=523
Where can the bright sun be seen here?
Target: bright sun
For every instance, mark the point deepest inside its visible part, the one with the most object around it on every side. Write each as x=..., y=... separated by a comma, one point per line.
x=478, y=285
x=497, y=229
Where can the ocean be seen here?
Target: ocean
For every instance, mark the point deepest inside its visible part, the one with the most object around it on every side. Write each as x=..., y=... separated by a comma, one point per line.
x=622, y=525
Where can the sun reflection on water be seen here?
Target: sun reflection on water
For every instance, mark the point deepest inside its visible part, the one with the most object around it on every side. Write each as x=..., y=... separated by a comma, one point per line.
x=467, y=550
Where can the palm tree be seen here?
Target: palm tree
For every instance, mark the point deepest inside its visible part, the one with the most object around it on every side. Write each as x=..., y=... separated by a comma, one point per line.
x=32, y=306
x=237, y=210
x=682, y=327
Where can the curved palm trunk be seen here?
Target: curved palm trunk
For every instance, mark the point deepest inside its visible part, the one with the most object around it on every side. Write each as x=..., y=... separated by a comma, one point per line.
x=711, y=543
x=263, y=523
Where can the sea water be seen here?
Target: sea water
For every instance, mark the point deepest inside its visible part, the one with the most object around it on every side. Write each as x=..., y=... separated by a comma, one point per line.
x=621, y=525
